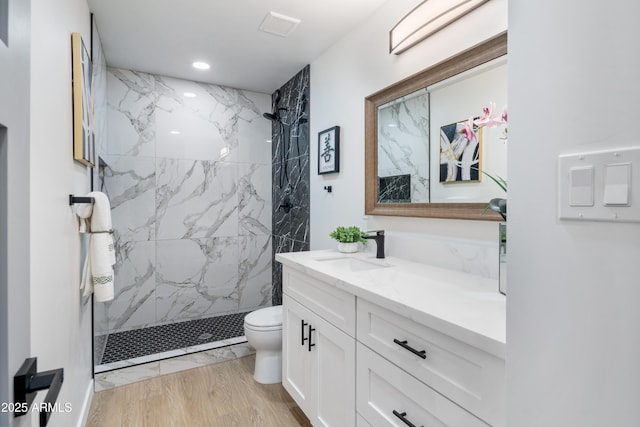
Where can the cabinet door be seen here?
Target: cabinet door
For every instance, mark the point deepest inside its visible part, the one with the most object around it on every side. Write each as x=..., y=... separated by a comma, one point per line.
x=296, y=369
x=333, y=366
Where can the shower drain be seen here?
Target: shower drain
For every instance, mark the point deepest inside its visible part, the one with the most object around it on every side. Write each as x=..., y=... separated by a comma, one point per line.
x=205, y=336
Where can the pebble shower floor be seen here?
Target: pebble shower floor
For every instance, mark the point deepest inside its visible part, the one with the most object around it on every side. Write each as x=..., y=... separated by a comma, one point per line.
x=157, y=339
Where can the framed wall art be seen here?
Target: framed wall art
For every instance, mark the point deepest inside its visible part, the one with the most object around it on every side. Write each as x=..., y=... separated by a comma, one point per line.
x=460, y=158
x=83, y=109
x=329, y=150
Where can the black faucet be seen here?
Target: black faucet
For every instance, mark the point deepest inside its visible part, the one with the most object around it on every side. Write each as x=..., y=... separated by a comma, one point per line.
x=379, y=238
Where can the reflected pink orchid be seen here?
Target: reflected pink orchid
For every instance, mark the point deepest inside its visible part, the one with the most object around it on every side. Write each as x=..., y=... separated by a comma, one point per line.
x=469, y=131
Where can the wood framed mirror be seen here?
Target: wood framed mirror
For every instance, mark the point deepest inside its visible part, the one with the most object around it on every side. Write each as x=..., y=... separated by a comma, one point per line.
x=401, y=205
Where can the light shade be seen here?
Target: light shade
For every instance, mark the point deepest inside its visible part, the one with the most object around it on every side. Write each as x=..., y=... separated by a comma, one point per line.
x=427, y=18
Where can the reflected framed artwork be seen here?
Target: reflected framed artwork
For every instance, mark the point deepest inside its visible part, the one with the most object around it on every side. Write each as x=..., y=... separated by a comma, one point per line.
x=460, y=158
x=83, y=123
x=329, y=150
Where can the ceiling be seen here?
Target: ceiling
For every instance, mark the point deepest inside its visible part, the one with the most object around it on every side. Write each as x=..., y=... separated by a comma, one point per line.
x=166, y=36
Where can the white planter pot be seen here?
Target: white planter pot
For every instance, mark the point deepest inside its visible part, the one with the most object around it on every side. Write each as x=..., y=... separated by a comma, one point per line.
x=348, y=248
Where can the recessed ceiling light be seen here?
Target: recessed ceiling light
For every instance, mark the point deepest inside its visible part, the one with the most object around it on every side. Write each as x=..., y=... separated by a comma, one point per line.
x=201, y=65
x=189, y=95
x=175, y=132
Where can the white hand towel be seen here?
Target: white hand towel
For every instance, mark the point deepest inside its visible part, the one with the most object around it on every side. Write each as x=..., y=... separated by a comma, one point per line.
x=97, y=276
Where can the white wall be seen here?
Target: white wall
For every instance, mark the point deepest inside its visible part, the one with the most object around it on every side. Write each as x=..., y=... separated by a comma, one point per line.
x=356, y=67
x=573, y=311
x=60, y=322
x=14, y=202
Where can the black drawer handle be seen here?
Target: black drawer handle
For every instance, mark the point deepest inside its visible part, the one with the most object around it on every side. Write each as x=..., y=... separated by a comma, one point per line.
x=403, y=344
x=311, y=330
x=302, y=331
x=403, y=419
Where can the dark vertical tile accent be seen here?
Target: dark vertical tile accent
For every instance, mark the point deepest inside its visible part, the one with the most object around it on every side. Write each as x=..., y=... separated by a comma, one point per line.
x=290, y=155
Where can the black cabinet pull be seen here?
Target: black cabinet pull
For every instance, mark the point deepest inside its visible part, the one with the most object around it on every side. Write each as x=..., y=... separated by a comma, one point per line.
x=311, y=330
x=403, y=419
x=403, y=344
x=302, y=331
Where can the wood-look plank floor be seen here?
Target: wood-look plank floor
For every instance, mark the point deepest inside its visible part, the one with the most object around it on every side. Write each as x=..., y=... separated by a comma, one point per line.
x=220, y=395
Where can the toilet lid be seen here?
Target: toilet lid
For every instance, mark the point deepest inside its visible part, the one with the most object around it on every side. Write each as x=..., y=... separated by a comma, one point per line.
x=270, y=316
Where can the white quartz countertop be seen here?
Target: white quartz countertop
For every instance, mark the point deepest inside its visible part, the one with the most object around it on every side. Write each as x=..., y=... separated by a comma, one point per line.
x=464, y=306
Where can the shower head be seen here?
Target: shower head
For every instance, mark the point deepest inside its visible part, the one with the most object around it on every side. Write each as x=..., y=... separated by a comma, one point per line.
x=272, y=117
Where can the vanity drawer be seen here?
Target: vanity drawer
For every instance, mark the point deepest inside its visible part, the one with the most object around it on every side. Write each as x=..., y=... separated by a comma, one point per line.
x=385, y=393
x=334, y=305
x=470, y=377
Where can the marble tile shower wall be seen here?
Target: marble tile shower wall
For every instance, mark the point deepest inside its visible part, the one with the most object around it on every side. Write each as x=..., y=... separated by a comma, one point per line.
x=187, y=168
x=291, y=173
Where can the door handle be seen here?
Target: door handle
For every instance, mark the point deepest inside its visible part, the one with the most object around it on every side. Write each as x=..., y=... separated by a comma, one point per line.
x=28, y=381
x=302, y=331
x=311, y=330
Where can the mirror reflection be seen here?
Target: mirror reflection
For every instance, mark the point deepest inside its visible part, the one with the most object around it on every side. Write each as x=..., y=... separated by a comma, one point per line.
x=418, y=160
x=423, y=156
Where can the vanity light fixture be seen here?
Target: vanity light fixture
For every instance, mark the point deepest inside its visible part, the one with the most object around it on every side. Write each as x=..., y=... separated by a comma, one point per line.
x=189, y=95
x=201, y=65
x=425, y=19
x=175, y=132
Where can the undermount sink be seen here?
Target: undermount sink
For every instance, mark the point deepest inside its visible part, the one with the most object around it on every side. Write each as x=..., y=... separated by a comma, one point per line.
x=353, y=264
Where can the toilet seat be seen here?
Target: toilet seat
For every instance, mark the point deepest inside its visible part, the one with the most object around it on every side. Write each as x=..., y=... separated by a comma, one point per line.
x=265, y=319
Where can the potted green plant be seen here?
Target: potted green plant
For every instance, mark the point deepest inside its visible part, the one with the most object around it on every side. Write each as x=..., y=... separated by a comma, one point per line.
x=348, y=238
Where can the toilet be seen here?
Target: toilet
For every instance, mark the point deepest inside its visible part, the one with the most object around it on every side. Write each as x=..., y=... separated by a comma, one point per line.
x=263, y=330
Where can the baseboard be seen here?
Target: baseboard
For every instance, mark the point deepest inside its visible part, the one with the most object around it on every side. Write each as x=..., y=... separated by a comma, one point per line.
x=86, y=405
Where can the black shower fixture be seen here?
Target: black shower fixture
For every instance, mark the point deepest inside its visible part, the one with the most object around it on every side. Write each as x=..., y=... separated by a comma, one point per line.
x=274, y=115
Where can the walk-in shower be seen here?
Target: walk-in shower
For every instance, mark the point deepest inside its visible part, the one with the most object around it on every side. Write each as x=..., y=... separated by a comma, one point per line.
x=189, y=181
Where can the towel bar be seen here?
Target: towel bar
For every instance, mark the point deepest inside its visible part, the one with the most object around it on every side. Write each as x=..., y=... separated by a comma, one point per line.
x=98, y=232
x=74, y=199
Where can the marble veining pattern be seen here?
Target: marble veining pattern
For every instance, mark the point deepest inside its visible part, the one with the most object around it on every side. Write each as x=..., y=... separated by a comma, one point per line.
x=196, y=199
x=189, y=179
x=290, y=157
x=196, y=278
x=403, y=141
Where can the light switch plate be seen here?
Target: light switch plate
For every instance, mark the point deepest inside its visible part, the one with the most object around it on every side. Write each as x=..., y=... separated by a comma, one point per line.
x=607, y=165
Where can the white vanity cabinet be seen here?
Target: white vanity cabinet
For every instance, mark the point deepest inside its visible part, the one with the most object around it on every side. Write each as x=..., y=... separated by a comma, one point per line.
x=318, y=363
x=401, y=345
x=405, y=367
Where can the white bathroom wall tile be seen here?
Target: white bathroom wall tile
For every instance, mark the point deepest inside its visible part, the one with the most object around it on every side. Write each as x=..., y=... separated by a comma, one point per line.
x=130, y=184
x=196, y=278
x=403, y=140
x=255, y=272
x=255, y=130
x=196, y=199
x=131, y=113
x=181, y=134
x=254, y=199
x=133, y=304
x=99, y=92
x=197, y=121
x=469, y=256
